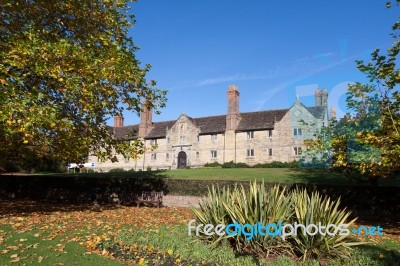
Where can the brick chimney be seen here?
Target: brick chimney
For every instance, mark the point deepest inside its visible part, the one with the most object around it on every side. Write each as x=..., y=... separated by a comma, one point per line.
x=233, y=116
x=146, y=117
x=118, y=121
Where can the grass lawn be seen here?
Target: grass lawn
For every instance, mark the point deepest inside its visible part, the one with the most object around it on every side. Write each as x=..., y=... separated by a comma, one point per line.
x=53, y=234
x=273, y=175
x=269, y=175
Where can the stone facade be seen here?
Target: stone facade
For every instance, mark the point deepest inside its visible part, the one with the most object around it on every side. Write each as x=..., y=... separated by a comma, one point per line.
x=251, y=138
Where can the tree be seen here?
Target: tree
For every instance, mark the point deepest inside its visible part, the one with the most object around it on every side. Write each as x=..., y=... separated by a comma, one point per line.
x=368, y=142
x=65, y=67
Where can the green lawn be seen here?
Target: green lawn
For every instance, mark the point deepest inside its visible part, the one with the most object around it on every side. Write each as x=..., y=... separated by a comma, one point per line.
x=34, y=233
x=273, y=175
x=269, y=175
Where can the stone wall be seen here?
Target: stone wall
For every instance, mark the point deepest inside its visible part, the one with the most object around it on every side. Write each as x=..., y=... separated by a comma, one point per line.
x=185, y=137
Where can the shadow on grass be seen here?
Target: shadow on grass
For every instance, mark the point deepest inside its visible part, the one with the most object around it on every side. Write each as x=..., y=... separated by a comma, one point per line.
x=9, y=208
x=367, y=201
x=318, y=176
x=331, y=177
x=376, y=255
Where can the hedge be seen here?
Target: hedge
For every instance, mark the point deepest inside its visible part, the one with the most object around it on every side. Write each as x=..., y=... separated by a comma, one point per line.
x=367, y=202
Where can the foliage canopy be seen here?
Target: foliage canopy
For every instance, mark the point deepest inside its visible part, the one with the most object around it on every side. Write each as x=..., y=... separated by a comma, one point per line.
x=65, y=68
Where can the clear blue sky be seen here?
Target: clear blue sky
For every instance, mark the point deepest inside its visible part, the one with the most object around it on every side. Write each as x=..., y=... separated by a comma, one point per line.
x=272, y=50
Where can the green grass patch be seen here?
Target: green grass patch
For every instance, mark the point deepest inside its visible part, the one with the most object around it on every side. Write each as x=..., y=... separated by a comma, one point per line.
x=30, y=249
x=180, y=248
x=269, y=175
x=36, y=233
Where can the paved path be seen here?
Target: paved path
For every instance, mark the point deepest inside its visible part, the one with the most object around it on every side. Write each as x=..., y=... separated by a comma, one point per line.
x=181, y=201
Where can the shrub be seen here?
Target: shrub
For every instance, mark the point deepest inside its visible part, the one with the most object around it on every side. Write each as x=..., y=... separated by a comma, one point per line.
x=214, y=164
x=231, y=164
x=271, y=206
x=277, y=164
x=116, y=170
x=226, y=206
x=315, y=209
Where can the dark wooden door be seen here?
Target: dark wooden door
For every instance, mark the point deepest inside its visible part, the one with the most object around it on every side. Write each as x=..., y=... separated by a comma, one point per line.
x=182, y=160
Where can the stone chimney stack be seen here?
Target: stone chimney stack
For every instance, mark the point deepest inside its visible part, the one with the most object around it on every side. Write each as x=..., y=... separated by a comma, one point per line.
x=146, y=119
x=118, y=121
x=333, y=112
x=233, y=116
x=321, y=97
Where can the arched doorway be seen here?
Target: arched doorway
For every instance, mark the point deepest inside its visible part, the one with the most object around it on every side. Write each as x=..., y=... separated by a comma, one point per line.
x=182, y=160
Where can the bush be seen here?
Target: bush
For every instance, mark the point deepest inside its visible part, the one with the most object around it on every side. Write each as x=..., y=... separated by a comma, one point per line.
x=228, y=206
x=277, y=164
x=314, y=209
x=214, y=164
x=231, y=164
x=116, y=170
x=271, y=206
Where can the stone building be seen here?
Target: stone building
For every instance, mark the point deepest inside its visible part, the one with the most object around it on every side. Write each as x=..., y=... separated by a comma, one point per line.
x=251, y=138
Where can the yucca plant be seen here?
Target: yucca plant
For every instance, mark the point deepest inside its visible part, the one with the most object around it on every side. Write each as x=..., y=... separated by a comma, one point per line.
x=225, y=206
x=318, y=210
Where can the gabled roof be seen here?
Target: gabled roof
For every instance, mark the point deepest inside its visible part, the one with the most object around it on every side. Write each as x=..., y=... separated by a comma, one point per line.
x=210, y=124
x=126, y=132
x=207, y=125
x=260, y=120
x=159, y=129
x=317, y=111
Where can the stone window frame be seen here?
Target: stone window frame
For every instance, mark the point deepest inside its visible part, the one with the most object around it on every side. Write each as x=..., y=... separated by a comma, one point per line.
x=250, y=135
x=269, y=151
x=153, y=142
x=167, y=156
x=214, y=154
x=297, y=131
x=297, y=150
x=154, y=156
x=269, y=133
x=126, y=159
x=250, y=152
x=214, y=137
x=197, y=155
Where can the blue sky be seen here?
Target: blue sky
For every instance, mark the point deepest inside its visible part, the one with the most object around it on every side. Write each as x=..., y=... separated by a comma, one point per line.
x=272, y=50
